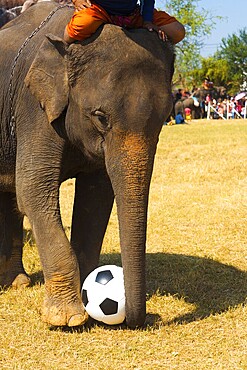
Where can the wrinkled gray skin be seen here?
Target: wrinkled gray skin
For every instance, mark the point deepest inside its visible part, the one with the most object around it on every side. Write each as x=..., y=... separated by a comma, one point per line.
x=92, y=110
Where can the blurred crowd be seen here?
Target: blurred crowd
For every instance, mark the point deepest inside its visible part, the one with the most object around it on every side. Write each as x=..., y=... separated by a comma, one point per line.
x=209, y=101
x=230, y=108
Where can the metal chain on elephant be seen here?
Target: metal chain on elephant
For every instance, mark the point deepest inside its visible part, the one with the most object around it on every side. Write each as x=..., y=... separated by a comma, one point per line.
x=11, y=97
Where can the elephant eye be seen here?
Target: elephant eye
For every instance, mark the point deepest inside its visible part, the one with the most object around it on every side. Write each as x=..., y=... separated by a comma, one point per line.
x=100, y=120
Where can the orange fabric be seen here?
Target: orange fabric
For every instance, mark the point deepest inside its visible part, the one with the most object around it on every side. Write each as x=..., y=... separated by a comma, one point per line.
x=85, y=22
x=161, y=18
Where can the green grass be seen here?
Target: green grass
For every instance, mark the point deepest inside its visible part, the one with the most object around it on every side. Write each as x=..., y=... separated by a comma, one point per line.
x=196, y=269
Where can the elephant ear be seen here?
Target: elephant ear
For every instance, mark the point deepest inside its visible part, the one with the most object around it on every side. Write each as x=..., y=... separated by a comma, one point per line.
x=47, y=77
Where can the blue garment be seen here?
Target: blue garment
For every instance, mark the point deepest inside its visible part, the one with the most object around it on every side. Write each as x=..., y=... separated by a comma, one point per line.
x=179, y=119
x=127, y=7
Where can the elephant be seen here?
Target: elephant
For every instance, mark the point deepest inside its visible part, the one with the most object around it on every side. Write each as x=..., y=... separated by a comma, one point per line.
x=93, y=111
x=191, y=103
x=196, y=102
x=216, y=92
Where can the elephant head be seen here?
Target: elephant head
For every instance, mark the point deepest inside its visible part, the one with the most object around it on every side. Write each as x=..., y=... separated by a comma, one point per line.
x=214, y=92
x=113, y=99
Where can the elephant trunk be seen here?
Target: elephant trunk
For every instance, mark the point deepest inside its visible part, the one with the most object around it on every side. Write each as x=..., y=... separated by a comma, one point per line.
x=130, y=172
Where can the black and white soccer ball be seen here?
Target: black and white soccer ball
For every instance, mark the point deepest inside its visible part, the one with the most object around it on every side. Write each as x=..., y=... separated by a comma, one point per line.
x=103, y=294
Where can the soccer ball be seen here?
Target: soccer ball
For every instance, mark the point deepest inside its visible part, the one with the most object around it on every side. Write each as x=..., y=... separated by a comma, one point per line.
x=103, y=294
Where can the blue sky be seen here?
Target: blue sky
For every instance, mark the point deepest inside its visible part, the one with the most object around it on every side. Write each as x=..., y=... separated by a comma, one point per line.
x=234, y=15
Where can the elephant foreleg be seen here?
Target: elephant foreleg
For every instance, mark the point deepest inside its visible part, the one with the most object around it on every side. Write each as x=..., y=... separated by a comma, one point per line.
x=92, y=208
x=38, y=197
x=11, y=243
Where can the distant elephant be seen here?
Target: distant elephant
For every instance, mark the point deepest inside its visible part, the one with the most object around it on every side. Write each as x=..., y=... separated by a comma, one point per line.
x=216, y=92
x=197, y=100
x=92, y=110
x=191, y=103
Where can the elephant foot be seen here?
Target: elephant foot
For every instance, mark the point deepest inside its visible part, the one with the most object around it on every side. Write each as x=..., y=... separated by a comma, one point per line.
x=65, y=315
x=63, y=310
x=12, y=274
x=21, y=281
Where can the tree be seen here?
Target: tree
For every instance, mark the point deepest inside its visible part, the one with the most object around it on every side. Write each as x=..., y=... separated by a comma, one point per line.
x=198, y=24
x=217, y=69
x=233, y=50
x=228, y=66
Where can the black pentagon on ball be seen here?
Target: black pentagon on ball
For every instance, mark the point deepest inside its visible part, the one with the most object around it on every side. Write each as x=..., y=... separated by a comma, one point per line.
x=84, y=297
x=103, y=277
x=109, y=307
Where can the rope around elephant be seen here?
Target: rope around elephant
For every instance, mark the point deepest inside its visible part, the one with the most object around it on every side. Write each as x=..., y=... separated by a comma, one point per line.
x=25, y=43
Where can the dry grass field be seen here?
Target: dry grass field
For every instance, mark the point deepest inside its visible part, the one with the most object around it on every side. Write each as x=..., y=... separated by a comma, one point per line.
x=196, y=269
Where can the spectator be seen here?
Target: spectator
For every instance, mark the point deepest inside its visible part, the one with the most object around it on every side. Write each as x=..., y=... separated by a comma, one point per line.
x=187, y=112
x=178, y=95
x=89, y=16
x=208, y=98
x=238, y=108
x=232, y=108
x=179, y=118
x=220, y=110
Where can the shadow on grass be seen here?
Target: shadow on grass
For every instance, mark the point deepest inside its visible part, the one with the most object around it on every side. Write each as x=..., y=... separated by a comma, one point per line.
x=211, y=286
